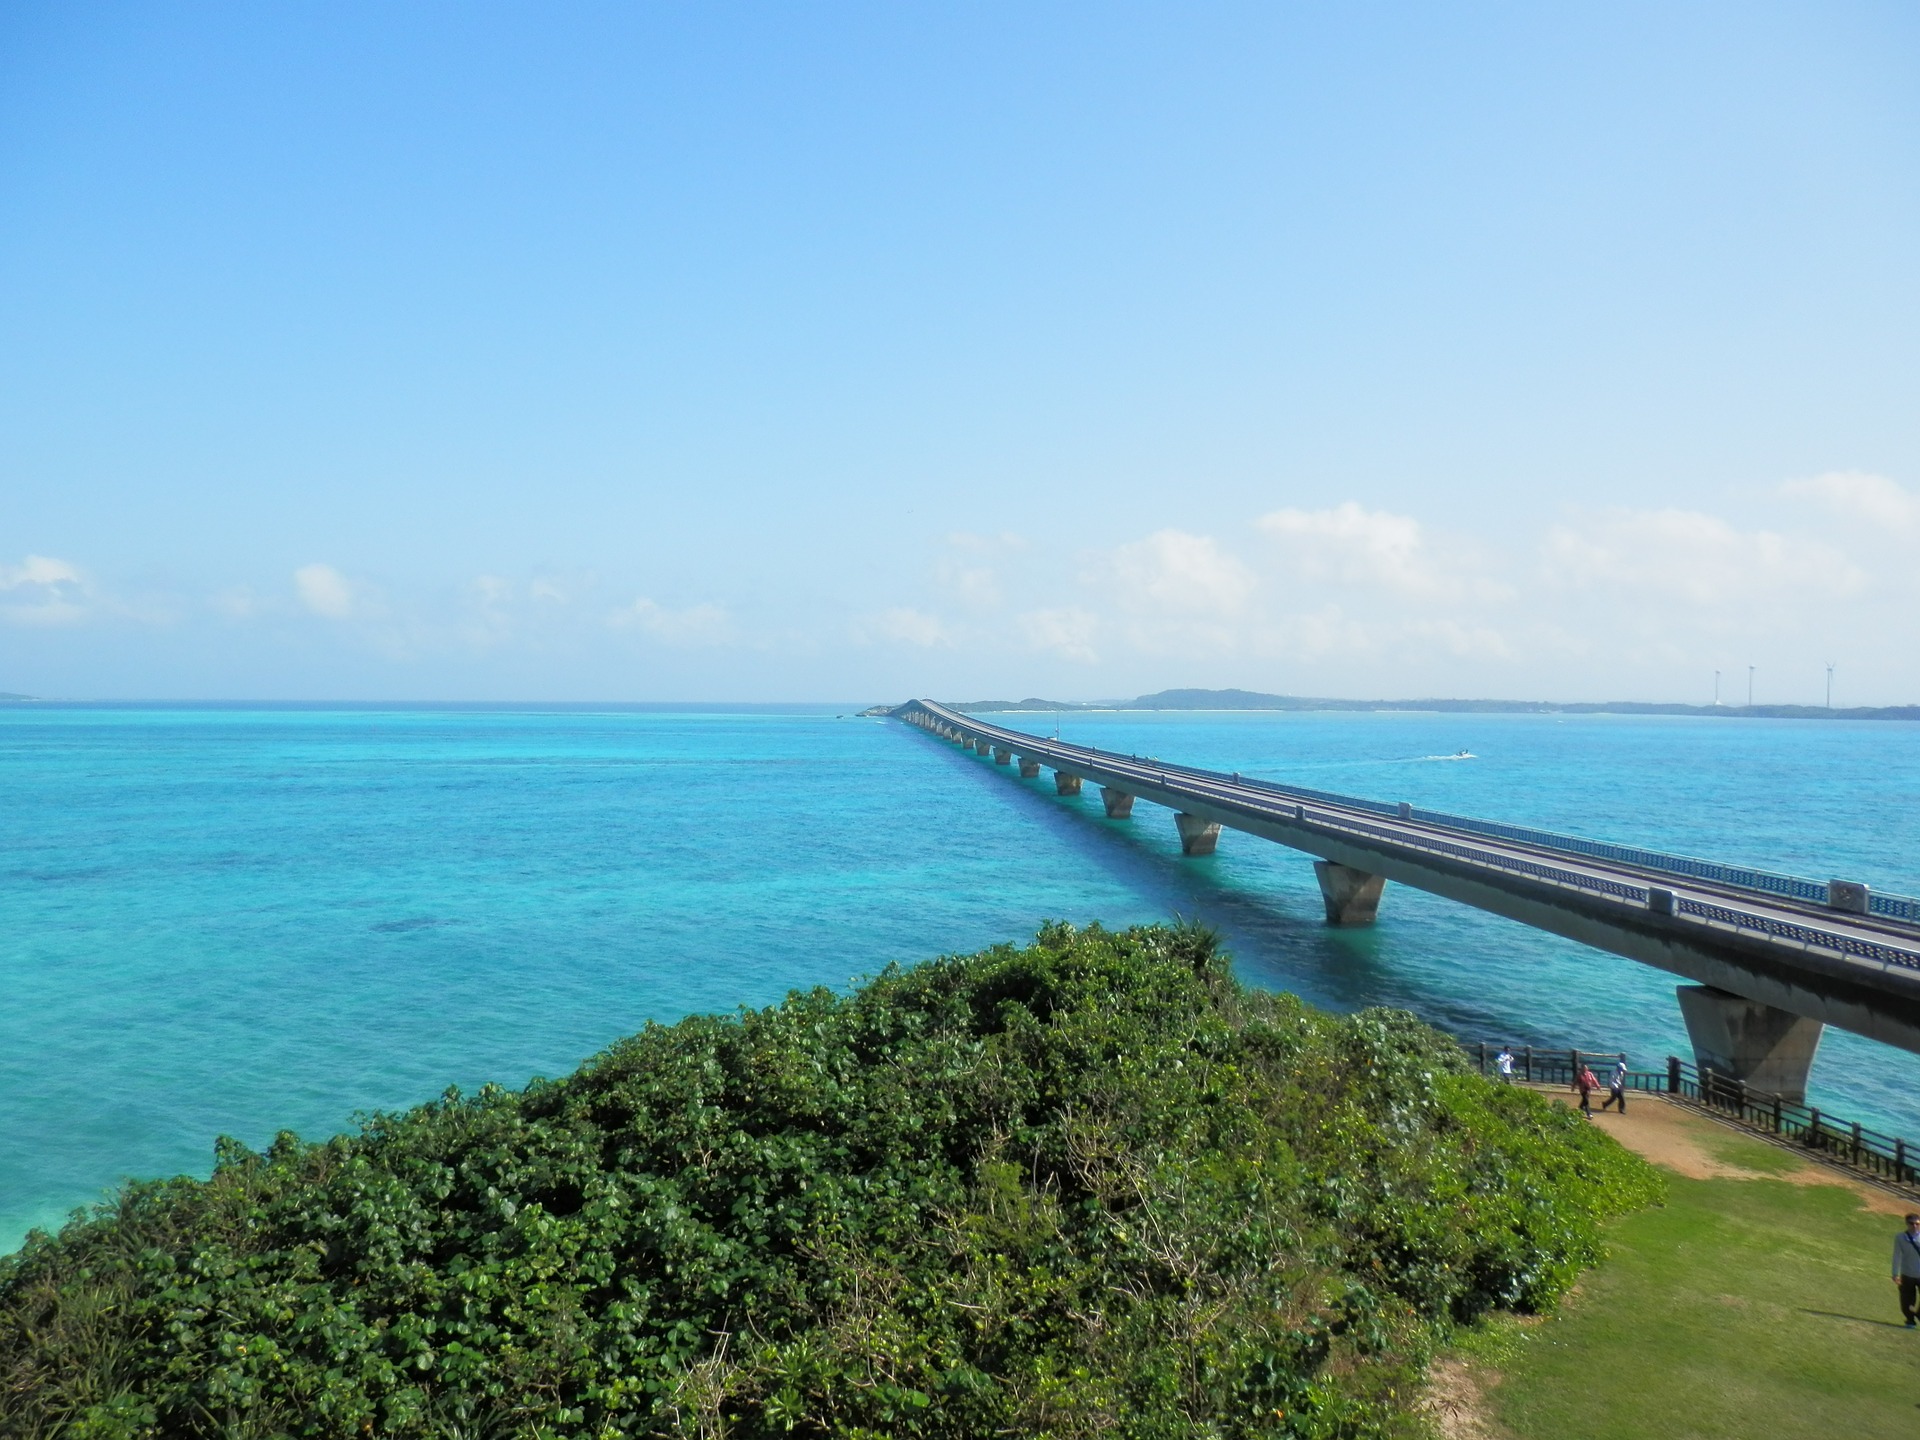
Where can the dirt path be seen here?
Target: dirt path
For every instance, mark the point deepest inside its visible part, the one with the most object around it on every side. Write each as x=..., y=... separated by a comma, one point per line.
x=1682, y=1140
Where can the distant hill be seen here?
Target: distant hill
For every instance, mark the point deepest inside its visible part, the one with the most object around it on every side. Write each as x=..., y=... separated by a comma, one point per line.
x=987, y=707
x=6, y=695
x=1256, y=700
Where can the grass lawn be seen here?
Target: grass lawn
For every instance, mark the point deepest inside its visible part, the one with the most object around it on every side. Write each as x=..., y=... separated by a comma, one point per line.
x=1745, y=1308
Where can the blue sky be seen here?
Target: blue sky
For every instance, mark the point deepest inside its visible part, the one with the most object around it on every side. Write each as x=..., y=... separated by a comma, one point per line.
x=850, y=352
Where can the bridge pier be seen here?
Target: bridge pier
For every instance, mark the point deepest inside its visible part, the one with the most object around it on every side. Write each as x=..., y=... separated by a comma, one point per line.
x=1118, y=802
x=1197, y=836
x=1028, y=768
x=1352, y=896
x=1002, y=756
x=1065, y=784
x=1772, y=1050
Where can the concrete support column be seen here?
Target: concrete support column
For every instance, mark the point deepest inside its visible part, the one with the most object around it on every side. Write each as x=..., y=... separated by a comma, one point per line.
x=1118, y=802
x=1028, y=768
x=1001, y=756
x=1065, y=784
x=1772, y=1050
x=1197, y=836
x=979, y=746
x=1352, y=896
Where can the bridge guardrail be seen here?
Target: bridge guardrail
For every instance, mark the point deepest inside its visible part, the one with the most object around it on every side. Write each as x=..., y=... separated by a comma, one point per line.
x=1832, y=940
x=1895, y=907
x=1802, y=934
x=1739, y=877
x=1743, y=877
x=1539, y=870
x=1847, y=1143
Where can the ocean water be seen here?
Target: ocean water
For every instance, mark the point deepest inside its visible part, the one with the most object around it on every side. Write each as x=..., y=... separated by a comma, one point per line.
x=241, y=920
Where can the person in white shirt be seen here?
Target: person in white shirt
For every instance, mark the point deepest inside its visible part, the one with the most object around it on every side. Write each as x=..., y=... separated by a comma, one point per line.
x=1906, y=1270
x=1505, y=1062
x=1617, y=1088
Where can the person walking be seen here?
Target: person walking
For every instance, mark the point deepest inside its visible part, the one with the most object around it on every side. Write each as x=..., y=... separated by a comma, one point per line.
x=1586, y=1085
x=1617, y=1088
x=1906, y=1270
x=1504, y=1063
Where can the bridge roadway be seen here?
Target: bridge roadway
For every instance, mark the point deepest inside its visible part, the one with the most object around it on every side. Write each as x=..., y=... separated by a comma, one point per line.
x=1770, y=968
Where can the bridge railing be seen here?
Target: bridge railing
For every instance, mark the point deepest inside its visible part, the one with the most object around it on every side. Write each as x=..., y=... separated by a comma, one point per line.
x=1742, y=877
x=1847, y=1143
x=1799, y=934
x=1768, y=925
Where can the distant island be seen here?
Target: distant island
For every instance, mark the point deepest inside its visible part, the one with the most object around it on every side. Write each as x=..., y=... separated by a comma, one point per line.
x=1255, y=700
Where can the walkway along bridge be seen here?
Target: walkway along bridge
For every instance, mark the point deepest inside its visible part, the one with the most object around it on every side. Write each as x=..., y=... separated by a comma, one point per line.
x=1774, y=958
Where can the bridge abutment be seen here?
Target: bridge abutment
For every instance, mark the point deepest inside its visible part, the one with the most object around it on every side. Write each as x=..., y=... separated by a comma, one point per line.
x=1771, y=1050
x=1065, y=784
x=1352, y=896
x=1197, y=836
x=1118, y=802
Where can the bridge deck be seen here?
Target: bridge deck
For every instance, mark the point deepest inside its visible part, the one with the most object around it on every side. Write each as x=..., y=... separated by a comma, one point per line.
x=1861, y=971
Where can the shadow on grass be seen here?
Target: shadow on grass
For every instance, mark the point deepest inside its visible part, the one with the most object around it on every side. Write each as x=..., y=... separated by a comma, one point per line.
x=1857, y=1319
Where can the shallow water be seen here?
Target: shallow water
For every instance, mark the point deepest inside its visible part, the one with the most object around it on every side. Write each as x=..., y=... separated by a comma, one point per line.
x=243, y=920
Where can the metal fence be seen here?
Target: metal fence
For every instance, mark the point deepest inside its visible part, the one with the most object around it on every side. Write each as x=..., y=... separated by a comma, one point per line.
x=1847, y=1143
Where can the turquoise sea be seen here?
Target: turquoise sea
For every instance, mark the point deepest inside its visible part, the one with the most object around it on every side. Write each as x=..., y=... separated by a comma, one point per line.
x=244, y=919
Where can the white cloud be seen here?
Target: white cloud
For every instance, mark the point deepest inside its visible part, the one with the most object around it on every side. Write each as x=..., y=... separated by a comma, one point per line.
x=975, y=585
x=694, y=625
x=1856, y=495
x=38, y=570
x=44, y=591
x=1462, y=639
x=492, y=589
x=236, y=602
x=1316, y=634
x=1697, y=559
x=906, y=626
x=1352, y=545
x=1067, y=632
x=971, y=570
x=325, y=591
x=1174, y=573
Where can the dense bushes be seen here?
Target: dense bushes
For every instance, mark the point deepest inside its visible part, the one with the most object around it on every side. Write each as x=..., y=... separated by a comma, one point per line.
x=1087, y=1187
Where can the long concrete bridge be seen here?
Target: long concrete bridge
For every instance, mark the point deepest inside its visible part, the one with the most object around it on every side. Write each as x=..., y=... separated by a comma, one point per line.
x=1774, y=958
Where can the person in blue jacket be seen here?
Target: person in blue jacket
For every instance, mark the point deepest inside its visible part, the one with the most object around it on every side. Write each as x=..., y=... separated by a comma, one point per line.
x=1906, y=1270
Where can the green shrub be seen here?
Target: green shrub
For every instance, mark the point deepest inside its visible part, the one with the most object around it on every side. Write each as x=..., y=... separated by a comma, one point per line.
x=1087, y=1187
